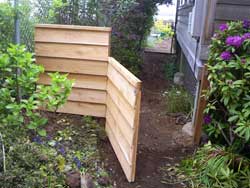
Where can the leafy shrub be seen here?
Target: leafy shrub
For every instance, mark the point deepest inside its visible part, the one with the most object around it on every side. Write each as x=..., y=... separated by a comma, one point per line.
x=214, y=167
x=170, y=68
x=228, y=109
x=25, y=112
x=165, y=30
x=178, y=100
x=6, y=25
x=225, y=162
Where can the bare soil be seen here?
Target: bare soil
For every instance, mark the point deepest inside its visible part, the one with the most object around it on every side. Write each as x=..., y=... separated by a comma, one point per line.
x=161, y=141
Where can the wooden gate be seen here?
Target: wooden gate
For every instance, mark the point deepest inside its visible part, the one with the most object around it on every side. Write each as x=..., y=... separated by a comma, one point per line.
x=103, y=87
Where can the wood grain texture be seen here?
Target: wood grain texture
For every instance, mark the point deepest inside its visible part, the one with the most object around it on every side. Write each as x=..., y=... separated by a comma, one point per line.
x=234, y=2
x=87, y=95
x=137, y=127
x=200, y=107
x=114, y=113
x=127, y=168
x=122, y=104
x=81, y=81
x=72, y=36
x=126, y=148
x=131, y=78
x=72, y=51
x=74, y=27
x=73, y=66
x=127, y=90
x=229, y=12
x=102, y=88
x=80, y=108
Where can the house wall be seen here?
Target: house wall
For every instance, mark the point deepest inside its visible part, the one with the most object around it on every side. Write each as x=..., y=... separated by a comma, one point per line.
x=188, y=44
x=214, y=13
x=223, y=11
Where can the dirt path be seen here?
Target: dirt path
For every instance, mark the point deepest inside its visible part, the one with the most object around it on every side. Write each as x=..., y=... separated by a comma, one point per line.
x=161, y=141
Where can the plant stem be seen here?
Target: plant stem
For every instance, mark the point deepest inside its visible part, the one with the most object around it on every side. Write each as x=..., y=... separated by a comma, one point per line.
x=224, y=135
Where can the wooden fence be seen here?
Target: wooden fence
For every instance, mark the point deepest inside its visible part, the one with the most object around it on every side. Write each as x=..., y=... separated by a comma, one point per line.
x=103, y=87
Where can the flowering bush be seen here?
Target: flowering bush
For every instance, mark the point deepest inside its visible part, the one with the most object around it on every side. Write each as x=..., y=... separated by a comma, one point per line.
x=164, y=29
x=227, y=116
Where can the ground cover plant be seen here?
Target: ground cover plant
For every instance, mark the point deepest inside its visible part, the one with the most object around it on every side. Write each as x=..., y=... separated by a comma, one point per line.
x=33, y=154
x=179, y=100
x=225, y=161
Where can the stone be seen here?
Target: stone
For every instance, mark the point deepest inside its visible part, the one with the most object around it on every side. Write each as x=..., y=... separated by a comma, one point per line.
x=179, y=78
x=188, y=129
x=73, y=179
x=87, y=181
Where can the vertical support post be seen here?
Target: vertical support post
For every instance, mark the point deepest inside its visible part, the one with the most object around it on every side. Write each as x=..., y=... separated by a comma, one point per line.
x=17, y=41
x=17, y=23
x=198, y=122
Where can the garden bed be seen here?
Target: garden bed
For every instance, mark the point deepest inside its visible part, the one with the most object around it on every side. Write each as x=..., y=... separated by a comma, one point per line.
x=70, y=147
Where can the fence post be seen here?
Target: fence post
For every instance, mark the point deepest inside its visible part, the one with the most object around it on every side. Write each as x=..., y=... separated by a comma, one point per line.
x=198, y=122
x=17, y=41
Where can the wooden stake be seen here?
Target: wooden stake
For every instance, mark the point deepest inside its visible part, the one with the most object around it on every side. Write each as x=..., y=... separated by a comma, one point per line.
x=201, y=107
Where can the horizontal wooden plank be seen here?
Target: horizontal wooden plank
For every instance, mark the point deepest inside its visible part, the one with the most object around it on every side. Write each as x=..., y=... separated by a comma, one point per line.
x=234, y=2
x=72, y=51
x=73, y=65
x=97, y=110
x=72, y=36
x=126, y=89
x=112, y=111
x=122, y=142
x=131, y=78
x=127, y=168
x=228, y=12
x=81, y=81
x=122, y=104
x=89, y=96
x=74, y=27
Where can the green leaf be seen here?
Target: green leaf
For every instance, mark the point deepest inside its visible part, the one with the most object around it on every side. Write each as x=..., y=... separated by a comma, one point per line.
x=233, y=118
x=42, y=132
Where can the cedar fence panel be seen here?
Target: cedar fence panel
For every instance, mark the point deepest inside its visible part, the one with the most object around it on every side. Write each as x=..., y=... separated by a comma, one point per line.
x=122, y=118
x=102, y=88
x=82, y=52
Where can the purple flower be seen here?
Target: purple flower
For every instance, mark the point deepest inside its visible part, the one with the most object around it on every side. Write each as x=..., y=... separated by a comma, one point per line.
x=246, y=36
x=243, y=61
x=62, y=151
x=246, y=24
x=223, y=27
x=38, y=140
x=77, y=162
x=207, y=119
x=226, y=56
x=235, y=41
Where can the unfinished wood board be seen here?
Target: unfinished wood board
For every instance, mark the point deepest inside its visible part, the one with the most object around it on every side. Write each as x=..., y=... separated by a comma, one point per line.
x=74, y=27
x=123, y=109
x=128, y=91
x=81, y=81
x=126, y=148
x=102, y=88
x=198, y=122
x=80, y=108
x=120, y=121
x=132, y=79
x=65, y=65
x=88, y=95
x=72, y=36
x=72, y=51
x=127, y=168
x=121, y=103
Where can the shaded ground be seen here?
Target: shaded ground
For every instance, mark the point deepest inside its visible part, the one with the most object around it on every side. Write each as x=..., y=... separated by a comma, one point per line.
x=161, y=141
